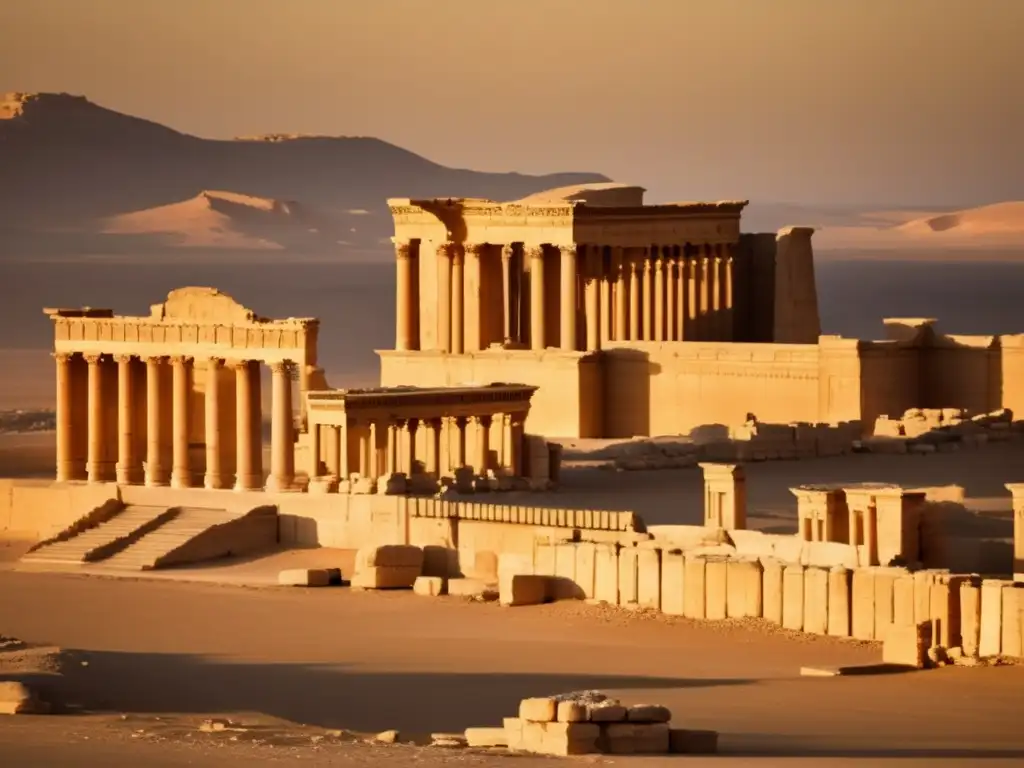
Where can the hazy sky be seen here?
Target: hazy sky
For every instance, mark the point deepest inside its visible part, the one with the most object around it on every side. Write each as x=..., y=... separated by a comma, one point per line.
x=901, y=101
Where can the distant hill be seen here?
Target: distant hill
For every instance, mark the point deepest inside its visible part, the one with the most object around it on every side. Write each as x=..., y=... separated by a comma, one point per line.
x=71, y=166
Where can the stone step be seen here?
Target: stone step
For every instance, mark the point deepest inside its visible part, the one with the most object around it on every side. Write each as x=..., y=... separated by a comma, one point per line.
x=189, y=523
x=77, y=548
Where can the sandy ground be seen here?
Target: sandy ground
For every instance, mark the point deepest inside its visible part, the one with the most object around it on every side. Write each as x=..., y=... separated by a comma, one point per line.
x=334, y=659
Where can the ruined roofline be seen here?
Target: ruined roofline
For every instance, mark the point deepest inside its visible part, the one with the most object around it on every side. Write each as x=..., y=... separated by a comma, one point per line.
x=89, y=313
x=574, y=207
x=411, y=392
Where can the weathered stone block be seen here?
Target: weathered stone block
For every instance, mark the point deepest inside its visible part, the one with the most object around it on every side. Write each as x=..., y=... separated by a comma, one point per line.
x=486, y=737
x=522, y=589
x=386, y=577
x=991, y=635
x=651, y=739
x=628, y=576
x=565, y=739
x=1013, y=602
x=839, y=602
x=863, y=604
x=716, y=587
x=673, y=566
x=944, y=607
x=970, y=618
x=538, y=710
x=304, y=577
x=586, y=555
x=390, y=555
x=513, y=728
x=472, y=588
x=743, y=589
x=648, y=713
x=17, y=699
x=649, y=578
x=816, y=601
x=884, y=606
x=617, y=738
x=907, y=645
x=903, y=609
x=430, y=586
x=694, y=587
x=610, y=713
x=572, y=712
x=606, y=574
x=793, y=597
x=686, y=742
x=772, y=591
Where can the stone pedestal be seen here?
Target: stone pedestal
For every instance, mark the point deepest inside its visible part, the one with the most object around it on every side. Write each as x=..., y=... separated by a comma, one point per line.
x=725, y=496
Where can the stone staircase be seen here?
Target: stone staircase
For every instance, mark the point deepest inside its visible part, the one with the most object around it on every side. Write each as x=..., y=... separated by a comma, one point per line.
x=145, y=552
x=93, y=543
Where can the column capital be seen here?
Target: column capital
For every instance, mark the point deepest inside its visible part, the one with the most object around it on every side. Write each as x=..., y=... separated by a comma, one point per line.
x=62, y=357
x=403, y=248
x=474, y=249
x=533, y=252
x=237, y=364
x=214, y=362
x=569, y=250
x=92, y=358
x=123, y=358
x=507, y=251
x=483, y=420
x=155, y=359
x=446, y=250
x=281, y=366
x=179, y=359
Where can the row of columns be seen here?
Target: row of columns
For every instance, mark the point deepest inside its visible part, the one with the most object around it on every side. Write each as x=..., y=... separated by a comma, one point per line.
x=152, y=470
x=655, y=293
x=376, y=456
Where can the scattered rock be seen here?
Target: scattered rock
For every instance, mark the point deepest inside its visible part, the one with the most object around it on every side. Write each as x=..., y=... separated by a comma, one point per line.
x=386, y=737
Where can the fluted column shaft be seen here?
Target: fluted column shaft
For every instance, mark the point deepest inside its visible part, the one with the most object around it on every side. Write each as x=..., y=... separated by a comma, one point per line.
x=315, y=436
x=648, y=300
x=592, y=298
x=692, y=305
x=404, y=279
x=605, y=284
x=333, y=461
x=432, y=464
x=181, y=472
x=482, y=426
x=65, y=419
x=680, y=289
x=634, y=300
x=717, y=296
x=248, y=440
x=730, y=309
x=459, y=257
x=342, y=443
x=282, y=428
x=507, y=253
x=409, y=435
x=659, y=295
x=156, y=473
x=125, y=469
x=569, y=276
x=94, y=463
x=392, y=463
x=535, y=254
x=213, y=478
x=705, y=294
x=444, y=297
x=373, y=459
x=460, y=442
x=621, y=296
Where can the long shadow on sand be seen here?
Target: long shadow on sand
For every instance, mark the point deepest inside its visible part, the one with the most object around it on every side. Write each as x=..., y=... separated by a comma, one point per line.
x=330, y=696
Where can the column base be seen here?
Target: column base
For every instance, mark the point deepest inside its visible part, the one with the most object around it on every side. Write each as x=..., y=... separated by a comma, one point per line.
x=156, y=480
x=98, y=472
x=181, y=479
x=213, y=482
x=282, y=484
x=70, y=472
x=248, y=483
x=126, y=475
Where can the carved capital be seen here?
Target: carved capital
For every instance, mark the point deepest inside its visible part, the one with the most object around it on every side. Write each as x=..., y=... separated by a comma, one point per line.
x=533, y=252
x=215, y=362
x=238, y=365
x=403, y=249
x=179, y=360
x=152, y=360
x=481, y=420
x=474, y=249
x=281, y=367
x=123, y=359
x=507, y=251
x=446, y=250
x=62, y=358
x=568, y=250
x=92, y=358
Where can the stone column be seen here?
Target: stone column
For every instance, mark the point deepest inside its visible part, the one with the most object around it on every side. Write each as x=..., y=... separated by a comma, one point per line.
x=507, y=252
x=181, y=472
x=715, y=263
x=65, y=419
x=282, y=428
x=621, y=295
x=213, y=478
x=156, y=473
x=333, y=446
x=729, y=323
x=512, y=449
x=373, y=459
x=692, y=304
x=393, y=467
x=343, y=464
x=648, y=299
x=1017, y=566
x=125, y=469
x=314, y=451
x=409, y=435
x=569, y=276
x=94, y=467
x=248, y=440
x=605, y=285
x=670, y=295
x=433, y=463
x=535, y=255
x=592, y=293
x=460, y=442
x=680, y=289
x=444, y=296
x=459, y=256
x=659, y=294
x=635, y=307
x=404, y=279
x=482, y=426
x=705, y=295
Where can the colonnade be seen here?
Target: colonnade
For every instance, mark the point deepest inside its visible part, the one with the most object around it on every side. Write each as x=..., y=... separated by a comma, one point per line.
x=605, y=293
x=372, y=447
x=145, y=379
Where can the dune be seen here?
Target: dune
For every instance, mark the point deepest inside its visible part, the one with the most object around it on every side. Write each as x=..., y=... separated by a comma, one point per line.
x=221, y=219
x=995, y=219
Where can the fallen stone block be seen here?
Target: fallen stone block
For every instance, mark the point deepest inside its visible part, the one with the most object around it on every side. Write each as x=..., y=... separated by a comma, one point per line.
x=651, y=738
x=907, y=645
x=970, y=617
x=472, y=588
x=386, y=737
x=561, y=739
x=486, y=737
x=608, y=713
x=617, y=739
x=385, y=577
x=513, y=728
x=390, y=555
x=572, y=712
x=538, y=710
x=648, y=713
x=683, y=741
x=430, y=586
x=522, y=589
x=304, y=577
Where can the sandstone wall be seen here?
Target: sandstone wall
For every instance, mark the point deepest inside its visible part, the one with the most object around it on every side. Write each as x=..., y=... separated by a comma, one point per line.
x=36, y=511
